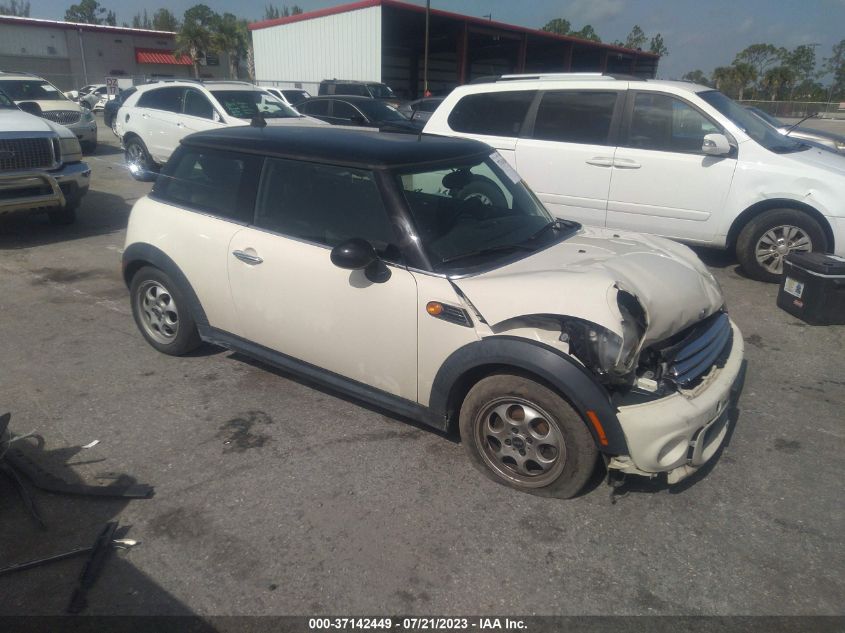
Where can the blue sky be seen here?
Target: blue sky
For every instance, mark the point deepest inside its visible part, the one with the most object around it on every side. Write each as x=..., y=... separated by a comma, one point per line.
x=699, y=33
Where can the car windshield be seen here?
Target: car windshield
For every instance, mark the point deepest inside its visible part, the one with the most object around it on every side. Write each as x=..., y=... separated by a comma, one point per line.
x=245, y=104
x=754, y=126
x=768, y=118
x=472, y=213
x=379, y=111
x=32, y=90
x=380, y=91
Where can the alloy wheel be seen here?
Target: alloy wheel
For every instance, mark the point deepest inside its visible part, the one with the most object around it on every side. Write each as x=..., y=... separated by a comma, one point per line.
x=777, y=243
x=158, y=311
x=520, y=442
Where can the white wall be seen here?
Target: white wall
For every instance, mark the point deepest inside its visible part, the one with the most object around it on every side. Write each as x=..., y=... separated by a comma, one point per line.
x=341, y=46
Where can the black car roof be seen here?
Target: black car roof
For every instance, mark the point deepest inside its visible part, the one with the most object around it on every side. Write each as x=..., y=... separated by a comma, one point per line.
x=349, y=98
x=339, y=146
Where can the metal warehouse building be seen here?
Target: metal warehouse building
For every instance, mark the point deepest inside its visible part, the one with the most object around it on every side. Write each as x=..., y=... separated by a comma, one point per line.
x=71, y=55
x=384, y=40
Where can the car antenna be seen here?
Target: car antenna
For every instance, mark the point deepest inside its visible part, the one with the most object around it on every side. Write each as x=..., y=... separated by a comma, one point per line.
x=258, y=120
x=792, y=127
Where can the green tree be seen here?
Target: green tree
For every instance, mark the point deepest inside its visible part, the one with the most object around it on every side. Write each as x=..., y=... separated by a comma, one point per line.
x=657, y=46
x=141, y=21
x=636, y=38
x=229, y=38
x=724, y=79
x=271, y=12
x=560, y=26
x=88, y=12
x=195, y=37
x=777, y=78
x=19, y=9
x=587, y=33
x=697, y=77
x=835, y=66
x=760, y=57
x=164, y=20
x=743, y=74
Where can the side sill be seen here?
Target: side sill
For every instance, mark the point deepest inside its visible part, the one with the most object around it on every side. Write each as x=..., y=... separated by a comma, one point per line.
x=336, y=382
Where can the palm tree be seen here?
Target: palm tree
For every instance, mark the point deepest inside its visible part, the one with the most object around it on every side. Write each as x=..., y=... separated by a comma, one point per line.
x=778, y=77
x=192, y=41
x=229, y=37
x=723, y=78
x=744, y=74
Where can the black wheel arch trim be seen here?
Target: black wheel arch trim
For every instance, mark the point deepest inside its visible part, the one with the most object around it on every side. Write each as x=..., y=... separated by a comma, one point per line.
x=779, y=203
x=573, y=381
x=140, y=254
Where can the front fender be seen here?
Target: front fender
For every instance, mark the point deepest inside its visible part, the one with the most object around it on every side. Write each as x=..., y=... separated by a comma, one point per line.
x=567, y=377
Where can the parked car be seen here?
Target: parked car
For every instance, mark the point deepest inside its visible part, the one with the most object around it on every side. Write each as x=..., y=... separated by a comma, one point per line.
x=359, y=111
x=819, y=138
x=113, y=105
x=41, y=168
x=288, y=95
x=357, y=260
x=52, y=104
x=421, y=109
x=669, y=158
x=369, y=89
x=74, y=95
x=154, y=118
x=96, y=99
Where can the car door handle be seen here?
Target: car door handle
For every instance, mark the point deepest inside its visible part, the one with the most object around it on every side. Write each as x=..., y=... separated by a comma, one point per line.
x=601, y=161
x=246, y=258
x=625, y=163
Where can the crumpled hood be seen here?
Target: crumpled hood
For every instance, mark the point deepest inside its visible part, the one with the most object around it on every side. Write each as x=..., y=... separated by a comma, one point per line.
x=580, y=277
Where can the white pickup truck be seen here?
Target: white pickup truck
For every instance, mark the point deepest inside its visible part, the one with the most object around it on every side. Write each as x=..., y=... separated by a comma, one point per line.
x=41, y=167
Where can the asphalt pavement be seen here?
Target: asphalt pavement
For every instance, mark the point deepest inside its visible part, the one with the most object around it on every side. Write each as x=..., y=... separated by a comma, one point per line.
x=276, y=497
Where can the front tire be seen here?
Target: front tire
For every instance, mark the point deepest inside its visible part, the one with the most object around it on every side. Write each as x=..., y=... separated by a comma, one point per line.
x=769, y=237
x=161, y=312
x=521, y=434
x=138, y=159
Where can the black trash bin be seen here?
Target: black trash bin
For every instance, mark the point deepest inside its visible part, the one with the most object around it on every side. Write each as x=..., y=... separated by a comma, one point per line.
x=813, y=288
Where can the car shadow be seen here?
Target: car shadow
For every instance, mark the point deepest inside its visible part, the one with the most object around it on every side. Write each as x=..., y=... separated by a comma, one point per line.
x=106, y=149
x=100, y=213
x=721, y=259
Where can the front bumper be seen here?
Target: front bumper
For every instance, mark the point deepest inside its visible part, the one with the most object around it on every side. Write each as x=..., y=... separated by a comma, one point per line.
x=40, y=190
x=681, y=432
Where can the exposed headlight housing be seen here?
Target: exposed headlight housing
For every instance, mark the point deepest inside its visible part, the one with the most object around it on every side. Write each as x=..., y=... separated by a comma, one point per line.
x=612, y=357
x=71, y=150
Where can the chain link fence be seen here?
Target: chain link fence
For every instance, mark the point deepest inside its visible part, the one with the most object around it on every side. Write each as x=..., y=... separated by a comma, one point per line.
x=799, y=109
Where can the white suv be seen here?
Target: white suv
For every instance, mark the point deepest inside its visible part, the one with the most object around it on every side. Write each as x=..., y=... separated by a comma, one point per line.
x=153, y=120
x=359, y=260
x=670, y=158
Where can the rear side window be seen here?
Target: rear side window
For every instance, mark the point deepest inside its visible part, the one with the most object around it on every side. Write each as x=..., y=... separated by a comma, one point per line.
x=342, y=110
x=167, y=99
x=215, y=182
x=662, y=122
x=325, y=204
x=320, y=108
x=197, y=105
x=492, y=113
x=575, y=117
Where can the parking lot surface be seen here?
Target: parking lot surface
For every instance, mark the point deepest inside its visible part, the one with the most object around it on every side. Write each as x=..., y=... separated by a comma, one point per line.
x=275, y=497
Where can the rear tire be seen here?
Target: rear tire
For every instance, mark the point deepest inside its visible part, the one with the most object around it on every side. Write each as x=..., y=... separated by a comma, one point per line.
x=161, y=312
x=522, y=434
x=769, y=237
x=141, y=165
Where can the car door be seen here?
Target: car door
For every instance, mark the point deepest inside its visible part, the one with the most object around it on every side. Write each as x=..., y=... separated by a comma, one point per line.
x=292, y=299
x=344, y=113
x=199, y=114
x=317, y=108
x=566, y=155
x=662, y=181
x=495, y=118
x=160, y=110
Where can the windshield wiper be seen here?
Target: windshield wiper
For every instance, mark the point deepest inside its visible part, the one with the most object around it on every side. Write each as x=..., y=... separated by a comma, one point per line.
x=554, y=224
x=792, y=127
x=487, y=251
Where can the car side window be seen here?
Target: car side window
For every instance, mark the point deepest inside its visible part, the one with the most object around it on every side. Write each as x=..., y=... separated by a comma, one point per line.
x=571, y=116
x=196, y=104
x=168, y=99
x=342, y=110
x=320, y=108
x=492, y=113
x=325, y=204
x=662, y=122
x=217, y=182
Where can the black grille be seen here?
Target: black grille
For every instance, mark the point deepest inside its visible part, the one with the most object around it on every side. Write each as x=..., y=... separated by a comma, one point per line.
x=25, y=153
x=699, y=350
x=64, y=117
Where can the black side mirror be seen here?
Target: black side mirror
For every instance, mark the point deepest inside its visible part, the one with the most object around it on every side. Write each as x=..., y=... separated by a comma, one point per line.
x=31, y=107
x=358, y=254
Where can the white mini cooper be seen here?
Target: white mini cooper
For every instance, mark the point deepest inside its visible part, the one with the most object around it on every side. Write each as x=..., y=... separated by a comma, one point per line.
x=359, y=260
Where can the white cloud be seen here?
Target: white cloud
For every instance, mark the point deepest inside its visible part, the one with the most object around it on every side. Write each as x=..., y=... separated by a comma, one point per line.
x=591, y=11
